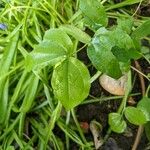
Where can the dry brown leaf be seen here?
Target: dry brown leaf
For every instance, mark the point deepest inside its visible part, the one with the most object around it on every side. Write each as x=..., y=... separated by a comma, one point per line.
x=113, y=86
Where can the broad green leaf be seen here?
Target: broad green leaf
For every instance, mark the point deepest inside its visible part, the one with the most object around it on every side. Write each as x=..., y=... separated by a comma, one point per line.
x=124, y=55
x=124, y=44
x=70, y=82
x=147, y=130
x=125, y=24
x=46, y=53
x=142, y=30
x=110, y=50
x=120, y=54
x=59, y=36
x=123, y=41
x=104, y=61
x=117, y=124
x=144, y=105
x=76, y=33
x=94, y=11
x=99, y=52
x=135, y=116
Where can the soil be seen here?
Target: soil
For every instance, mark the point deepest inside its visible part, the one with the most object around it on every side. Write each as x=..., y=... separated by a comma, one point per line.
x=99, y=112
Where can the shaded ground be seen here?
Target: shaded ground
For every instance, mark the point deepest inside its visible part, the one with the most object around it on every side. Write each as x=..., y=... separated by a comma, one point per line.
x=99, y=112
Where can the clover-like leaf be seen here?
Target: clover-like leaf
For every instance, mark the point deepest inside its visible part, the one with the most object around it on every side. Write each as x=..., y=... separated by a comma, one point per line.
x=70, y=82
x=117, y=124
x=135, y=115
x=101, y=56
x=94, y=11
x=111, y=51
x=144, y=105
x=77, y=33
x=59, y=36
x=46, y=53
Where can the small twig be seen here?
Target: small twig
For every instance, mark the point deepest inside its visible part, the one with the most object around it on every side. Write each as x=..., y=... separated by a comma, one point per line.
x=141, y=128
x=139, y=72
x=137, y=9
x=142, y=82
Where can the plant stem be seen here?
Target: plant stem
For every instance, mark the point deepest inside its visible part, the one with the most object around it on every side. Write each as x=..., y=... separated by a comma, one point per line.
x=55, y=115
x=141, y=127
x=127, y=91
x=123, y=103
x=98, y=73
x=67, y=122
x=78, y=126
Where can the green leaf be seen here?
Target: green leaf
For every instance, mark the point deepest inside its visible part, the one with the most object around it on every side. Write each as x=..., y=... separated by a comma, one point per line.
x=124, y=55
x=110, y=49
x=59, y=36
x=125, y=44
x=120, y=54
x=70, y=82
x=142, y=30
x=135, y=116
x=144, y=105
x=121, y=39
x=101, y=56
x=146, y=52
x=117, y=124
x=76, y=33
x=125, y=24
x=46, y=53
x=94, y=11
x=5, y=64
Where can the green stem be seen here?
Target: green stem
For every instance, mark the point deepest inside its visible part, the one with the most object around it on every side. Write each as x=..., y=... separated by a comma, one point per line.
x=55, y=115
x=21, y=124
x=66, y=136
x=78, y=126
x=123, y=103
x=98, y=73
x=127, y=91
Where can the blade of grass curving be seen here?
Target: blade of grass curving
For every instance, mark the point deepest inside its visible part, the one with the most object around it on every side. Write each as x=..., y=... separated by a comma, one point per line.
x=122, y=4
x=5, y=64
x=30, y=94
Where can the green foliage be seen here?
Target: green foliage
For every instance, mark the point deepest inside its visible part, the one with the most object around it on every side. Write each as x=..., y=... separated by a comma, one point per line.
x=142, y=31
x=59, y=36
x=76, y=33
x=117, y=124
x=109, y=48
x=135, y=116
x=40, y=70
x=94, y=12
x=70, y=79
x=144, y=105
x=46, y=53
x=125, y=24
x=5, y=63
x=70, y=82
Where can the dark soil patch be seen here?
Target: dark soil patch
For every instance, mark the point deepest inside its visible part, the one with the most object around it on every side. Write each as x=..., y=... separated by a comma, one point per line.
x=99, y=112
